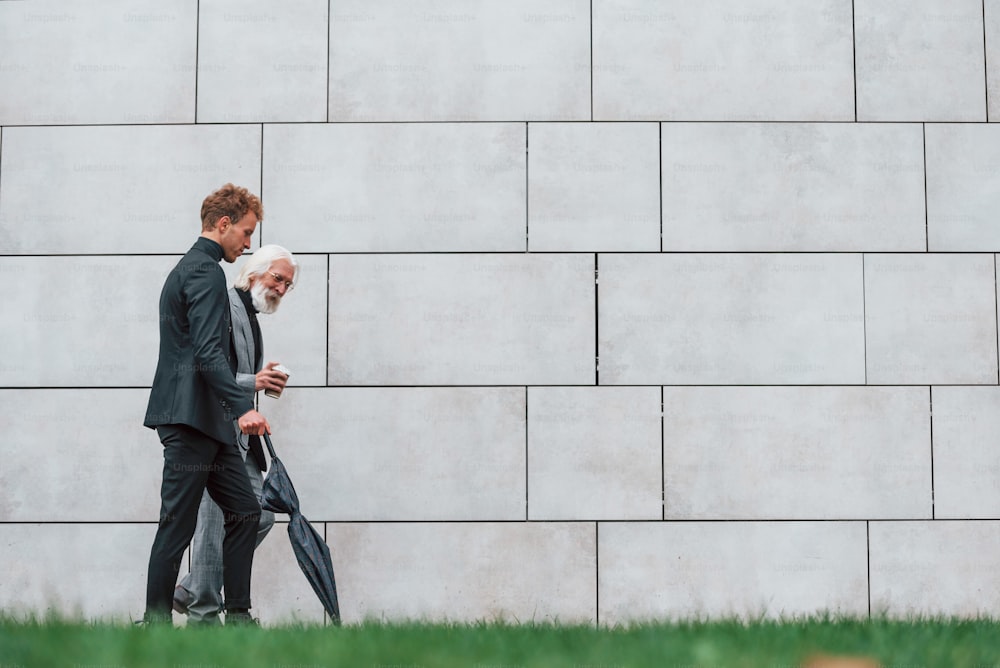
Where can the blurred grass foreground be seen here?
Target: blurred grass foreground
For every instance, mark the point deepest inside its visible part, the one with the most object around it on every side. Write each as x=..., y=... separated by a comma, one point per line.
x=818, y=642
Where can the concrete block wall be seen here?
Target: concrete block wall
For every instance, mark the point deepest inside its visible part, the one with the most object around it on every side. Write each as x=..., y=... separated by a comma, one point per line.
x=609, y=309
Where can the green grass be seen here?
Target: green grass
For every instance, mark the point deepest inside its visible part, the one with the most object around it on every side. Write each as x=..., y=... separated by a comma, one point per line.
x=925, y=643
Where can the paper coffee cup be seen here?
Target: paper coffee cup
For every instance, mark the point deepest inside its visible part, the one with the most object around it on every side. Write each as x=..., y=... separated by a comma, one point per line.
x=274, y=394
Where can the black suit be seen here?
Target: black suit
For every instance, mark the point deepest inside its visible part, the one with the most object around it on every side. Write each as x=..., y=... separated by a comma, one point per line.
x=195, y=381
x=192, y=405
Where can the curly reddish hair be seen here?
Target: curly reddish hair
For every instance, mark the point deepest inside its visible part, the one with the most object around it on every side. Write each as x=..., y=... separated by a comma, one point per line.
x=232, y=201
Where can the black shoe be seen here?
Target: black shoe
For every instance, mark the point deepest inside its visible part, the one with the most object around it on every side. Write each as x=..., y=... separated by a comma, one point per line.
x=151, y=619
x=241, y=619
x=182, y=599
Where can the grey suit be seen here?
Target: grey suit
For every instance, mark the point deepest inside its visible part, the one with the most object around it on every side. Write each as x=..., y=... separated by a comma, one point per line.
x=204, y=582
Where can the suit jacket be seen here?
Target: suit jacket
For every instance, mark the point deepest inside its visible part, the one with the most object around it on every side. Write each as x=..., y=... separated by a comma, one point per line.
x=248, y=346
x=195, y=383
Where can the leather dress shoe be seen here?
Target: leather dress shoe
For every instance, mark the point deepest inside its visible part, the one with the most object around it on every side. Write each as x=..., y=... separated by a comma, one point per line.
x=241, y=619
x=151, y=619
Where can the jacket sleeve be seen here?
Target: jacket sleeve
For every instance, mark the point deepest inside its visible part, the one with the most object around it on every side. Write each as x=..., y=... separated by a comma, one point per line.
x=208, y=311
x=247, y=381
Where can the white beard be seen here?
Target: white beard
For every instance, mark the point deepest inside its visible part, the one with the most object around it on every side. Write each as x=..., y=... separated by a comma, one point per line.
x=264, y=299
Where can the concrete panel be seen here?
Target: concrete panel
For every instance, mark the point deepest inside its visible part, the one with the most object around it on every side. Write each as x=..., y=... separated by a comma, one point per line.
x=367, y=454
x=295, y=334
x=85, y=571
x=594, y=453
x=725, y=60
x=119, y=61
x=407, y=187
x=120, y=189
x=797, y=453
x=666, y=570
x=82, y=321
x=731, y=319
x=593, y=187
x=930, y=319
x=919, y=60
x=92, y=440
x=963, y=187
x=280, y=75
x=939, y=568
x=991, y=15
x=280, y=592
x=449, y=60
x=966, y=460
x=793, y=187
x=461, y=320
x=515, y=572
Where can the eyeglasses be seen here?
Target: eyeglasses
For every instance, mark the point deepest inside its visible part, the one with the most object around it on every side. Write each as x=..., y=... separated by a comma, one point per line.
x=281, y=279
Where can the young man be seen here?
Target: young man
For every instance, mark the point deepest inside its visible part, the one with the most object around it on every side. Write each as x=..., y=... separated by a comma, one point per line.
x=192, y=405
x=262, y=283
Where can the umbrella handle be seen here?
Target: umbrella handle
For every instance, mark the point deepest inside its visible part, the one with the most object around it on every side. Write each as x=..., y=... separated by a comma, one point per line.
x=270, y=448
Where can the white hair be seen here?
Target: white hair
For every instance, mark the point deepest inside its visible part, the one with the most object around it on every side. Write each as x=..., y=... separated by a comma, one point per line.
x=261, y=261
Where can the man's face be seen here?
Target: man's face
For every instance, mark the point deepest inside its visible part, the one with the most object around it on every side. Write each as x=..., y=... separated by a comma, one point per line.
x=235, y=237
x=268, y=288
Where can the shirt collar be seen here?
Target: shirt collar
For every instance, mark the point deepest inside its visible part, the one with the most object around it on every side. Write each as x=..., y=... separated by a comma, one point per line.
x=212, y=248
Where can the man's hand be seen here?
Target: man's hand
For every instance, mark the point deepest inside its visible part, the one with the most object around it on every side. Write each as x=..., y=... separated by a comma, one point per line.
x=269, y=379
x=254, y=423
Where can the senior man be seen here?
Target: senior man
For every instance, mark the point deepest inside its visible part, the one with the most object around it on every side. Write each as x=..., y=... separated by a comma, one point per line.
x=260, y=286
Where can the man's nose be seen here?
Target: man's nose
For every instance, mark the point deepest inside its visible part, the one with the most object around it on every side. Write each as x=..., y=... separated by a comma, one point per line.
x=281, y=288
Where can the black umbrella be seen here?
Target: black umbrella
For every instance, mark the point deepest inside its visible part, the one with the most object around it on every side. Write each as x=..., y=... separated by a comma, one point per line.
x=310, y=549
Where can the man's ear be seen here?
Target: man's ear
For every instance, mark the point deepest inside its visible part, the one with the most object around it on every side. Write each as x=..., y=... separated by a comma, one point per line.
x=223, y=223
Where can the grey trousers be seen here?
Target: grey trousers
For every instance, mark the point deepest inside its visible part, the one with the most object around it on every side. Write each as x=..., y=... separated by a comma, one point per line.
x=204, y=582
